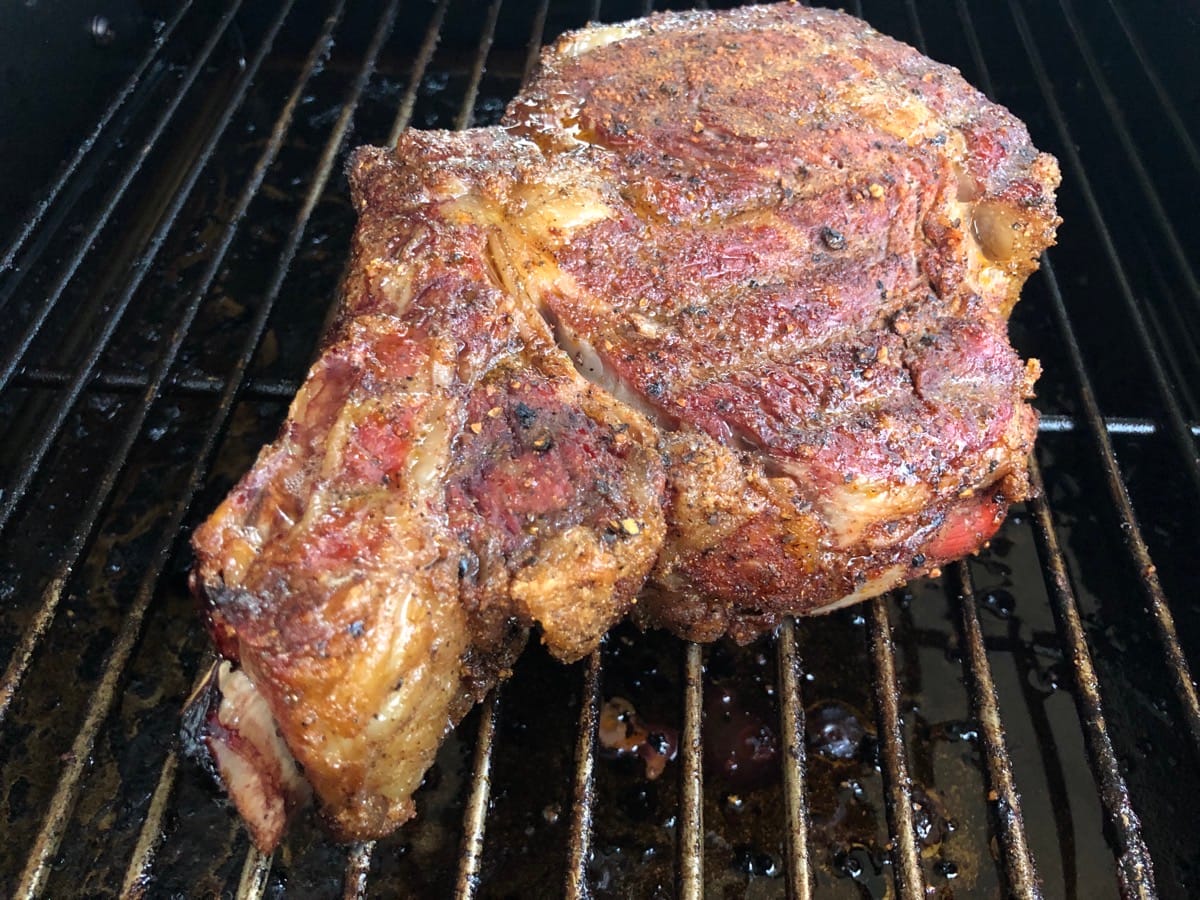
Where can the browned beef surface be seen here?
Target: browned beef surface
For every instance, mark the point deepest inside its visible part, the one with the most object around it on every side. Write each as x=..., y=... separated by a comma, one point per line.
x=715, y=325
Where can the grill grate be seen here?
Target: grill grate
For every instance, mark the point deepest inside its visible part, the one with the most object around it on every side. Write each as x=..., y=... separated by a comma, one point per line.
x=105, y=355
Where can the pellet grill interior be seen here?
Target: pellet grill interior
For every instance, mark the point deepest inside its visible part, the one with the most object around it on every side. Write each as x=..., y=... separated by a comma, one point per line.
x=175, y=221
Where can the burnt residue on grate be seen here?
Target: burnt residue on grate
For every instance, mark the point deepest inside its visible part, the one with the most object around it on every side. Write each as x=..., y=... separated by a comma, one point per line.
x=175, y=272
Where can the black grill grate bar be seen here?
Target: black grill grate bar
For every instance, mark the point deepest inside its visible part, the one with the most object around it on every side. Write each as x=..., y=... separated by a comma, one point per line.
x=65, y=401
x=1135, y=542
x=1160, y=91
x=982, y=72
x=536, y=33
x=795, y=763
x=1135, y=870
x=897, y=786
x=88, y=237
x=151, y=832
x=1177, y=426
x=475, y=818
x=1121, y=425
x=106, y=692
x=43, y=205
x=256, y=870
x=61, y=804
x=90, y=514
x=579, y=845
x=1117, y=118
x=691, y=817
x=358, y=866
x=138, y=872
x=466, y=113
x=177, y=385
x=1019, y=866
x=429, y=44
x=914, y=22
x=284, y=389
x=1171, y=330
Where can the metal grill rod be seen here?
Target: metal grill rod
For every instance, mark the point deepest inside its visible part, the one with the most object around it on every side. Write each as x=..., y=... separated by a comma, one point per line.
x=1135, y=870
x=255, y=872
x=1019, y=867
x=466, y=113
x=260, y=388
x=1135, y=542
x=1164, y=98
x=433, y=33
x=176, y=385
x=42, y=206
x=358, y=867
x=137, y=873
x=914, y=22
x=475, y=819
x=33, y=878
x=9, y=365
x=691, y=819
x=896, y=782
x=1117, y=117
x=535, y=39
x=90, y=514
x=1177, y=426
x=105, y=694
x=579, y=846
x=65, y=401
x=795, y=763
x=1181, y=676
x=1122, y=425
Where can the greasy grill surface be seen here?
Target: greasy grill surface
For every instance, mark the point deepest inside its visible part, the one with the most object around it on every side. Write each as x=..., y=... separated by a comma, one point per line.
x=1024, y=724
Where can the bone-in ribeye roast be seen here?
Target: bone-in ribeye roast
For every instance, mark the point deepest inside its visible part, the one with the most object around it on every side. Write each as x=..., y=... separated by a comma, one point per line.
x=712, y=330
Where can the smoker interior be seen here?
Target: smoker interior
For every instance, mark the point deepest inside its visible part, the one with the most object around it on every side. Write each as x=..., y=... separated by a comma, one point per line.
x=1024, y=725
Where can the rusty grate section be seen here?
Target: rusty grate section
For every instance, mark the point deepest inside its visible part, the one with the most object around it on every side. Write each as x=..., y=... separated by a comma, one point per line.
x=141, y=313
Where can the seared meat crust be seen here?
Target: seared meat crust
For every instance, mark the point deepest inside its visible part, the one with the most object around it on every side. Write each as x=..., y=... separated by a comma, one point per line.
x=719, y=316
x=818, y=239
x=434, y=492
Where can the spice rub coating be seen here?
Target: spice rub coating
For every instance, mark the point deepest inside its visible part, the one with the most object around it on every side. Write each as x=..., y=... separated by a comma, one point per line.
x=712, y=330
